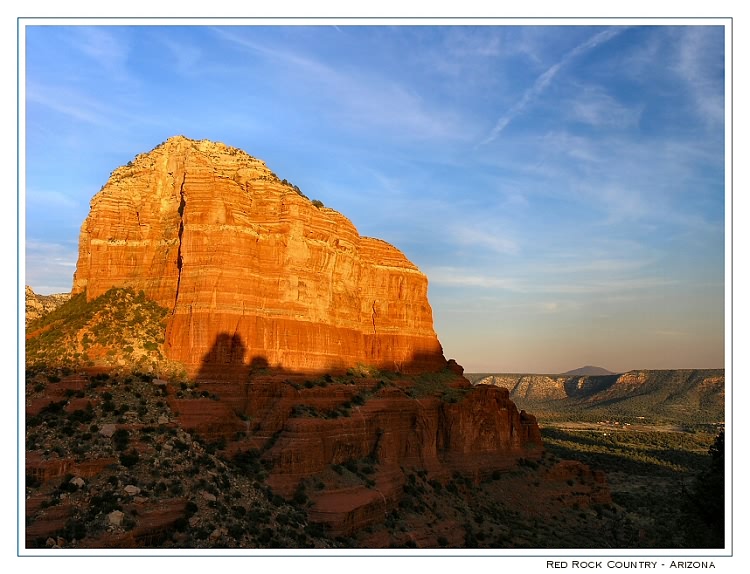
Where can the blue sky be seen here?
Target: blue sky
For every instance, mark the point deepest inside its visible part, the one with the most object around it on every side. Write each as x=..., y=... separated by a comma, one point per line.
x=562, y=187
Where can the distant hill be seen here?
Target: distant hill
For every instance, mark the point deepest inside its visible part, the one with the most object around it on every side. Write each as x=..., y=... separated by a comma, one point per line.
x=587, y=371
x=38, y=306
x=680, y=396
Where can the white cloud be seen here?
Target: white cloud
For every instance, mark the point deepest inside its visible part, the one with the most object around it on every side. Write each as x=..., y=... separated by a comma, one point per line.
x=49, y=266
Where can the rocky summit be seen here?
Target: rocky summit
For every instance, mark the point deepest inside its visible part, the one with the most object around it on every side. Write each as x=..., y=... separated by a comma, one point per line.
x=238, y=255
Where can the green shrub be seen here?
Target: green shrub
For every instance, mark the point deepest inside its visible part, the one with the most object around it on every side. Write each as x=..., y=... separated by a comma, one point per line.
x=129, y=459
x=120, y=438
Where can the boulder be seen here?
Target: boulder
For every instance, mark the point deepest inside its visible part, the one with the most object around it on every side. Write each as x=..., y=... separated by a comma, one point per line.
x=77, y=481
x=115, y=517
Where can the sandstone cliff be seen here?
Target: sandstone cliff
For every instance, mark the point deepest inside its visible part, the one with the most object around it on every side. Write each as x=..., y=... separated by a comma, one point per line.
x=213, y=235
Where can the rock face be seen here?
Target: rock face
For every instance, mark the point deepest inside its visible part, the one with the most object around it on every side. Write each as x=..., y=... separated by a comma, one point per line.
x=239, y=256
x=302, y=436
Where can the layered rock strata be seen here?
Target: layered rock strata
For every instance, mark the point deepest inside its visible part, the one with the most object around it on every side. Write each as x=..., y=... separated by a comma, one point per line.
x=213, y=235
x=384, y=428
x=694, y=389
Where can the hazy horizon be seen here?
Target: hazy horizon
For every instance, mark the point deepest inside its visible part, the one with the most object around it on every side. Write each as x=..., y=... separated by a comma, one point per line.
x=562, y=187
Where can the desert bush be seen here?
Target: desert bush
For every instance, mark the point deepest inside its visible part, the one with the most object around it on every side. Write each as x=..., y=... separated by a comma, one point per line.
x=129, y=459
x=120, y=438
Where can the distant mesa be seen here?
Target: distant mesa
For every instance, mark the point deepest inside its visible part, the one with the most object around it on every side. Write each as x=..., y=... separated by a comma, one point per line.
x=680, y=395
x=588, y=371
x=215, y=237
x=39, y=305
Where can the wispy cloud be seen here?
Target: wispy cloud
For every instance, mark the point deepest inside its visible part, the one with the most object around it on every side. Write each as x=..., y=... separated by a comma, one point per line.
x=589, y=286
x=593, y=106
x=463, y=277
x=50, y=266
x=583, y=262
x=699, y=67
x=612, y=177
x=494, y=240
x=76, y=106
x=118, y=113
x=100, y=45
x=554, y=307
x=534, y=284
x=185, y=56
x=359, y=99
x=545, y=79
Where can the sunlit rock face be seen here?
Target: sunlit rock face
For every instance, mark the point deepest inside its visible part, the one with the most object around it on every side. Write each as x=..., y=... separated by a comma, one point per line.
x=238, y=255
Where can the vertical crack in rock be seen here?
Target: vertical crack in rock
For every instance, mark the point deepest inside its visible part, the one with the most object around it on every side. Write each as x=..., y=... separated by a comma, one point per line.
x=181, y=211
x=374, y=346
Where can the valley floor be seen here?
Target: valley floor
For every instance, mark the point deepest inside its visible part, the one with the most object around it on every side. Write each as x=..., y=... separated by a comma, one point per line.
x=651, y=471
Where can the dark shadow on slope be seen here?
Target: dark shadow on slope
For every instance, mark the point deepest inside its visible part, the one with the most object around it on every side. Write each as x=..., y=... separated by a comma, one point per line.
x=423, y=362
x=586, y=386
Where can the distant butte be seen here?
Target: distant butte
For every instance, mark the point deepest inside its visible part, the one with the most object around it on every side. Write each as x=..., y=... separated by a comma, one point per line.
x=236, y=254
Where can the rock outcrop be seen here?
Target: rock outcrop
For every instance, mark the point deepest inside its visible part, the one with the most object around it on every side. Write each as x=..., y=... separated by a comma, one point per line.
x=305, y=430
x=213, y=235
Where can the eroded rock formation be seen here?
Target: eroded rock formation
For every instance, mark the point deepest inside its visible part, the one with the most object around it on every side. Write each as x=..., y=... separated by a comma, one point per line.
x=698, y=393
x=213, y=235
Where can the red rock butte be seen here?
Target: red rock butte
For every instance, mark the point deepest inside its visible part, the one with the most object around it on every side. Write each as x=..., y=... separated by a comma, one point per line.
x=252, y=271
